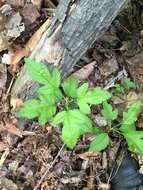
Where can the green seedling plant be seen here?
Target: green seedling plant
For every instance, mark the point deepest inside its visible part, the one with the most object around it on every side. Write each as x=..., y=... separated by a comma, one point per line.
x=125, y=86
x=68, y=105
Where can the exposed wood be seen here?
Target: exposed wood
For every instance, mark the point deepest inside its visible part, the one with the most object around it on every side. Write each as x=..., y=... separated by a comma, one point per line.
x=49, y=3
x=75, y=27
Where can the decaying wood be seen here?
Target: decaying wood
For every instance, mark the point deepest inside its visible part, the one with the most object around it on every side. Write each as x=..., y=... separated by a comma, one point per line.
x=74, y=28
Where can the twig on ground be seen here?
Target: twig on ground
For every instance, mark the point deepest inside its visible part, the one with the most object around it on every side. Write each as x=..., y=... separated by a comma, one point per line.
x=49, y=167
x=120, y=75
x=28, y=133
x=10, y=85
x=4, y=156
x=110, y=176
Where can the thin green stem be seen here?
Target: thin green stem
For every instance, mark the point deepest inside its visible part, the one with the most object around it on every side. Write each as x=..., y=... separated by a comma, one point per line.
x=117, y=131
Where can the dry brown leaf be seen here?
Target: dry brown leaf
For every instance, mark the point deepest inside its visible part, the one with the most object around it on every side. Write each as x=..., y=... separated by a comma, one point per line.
x=13, y=59
x=15, y=102
x=16, y=3
x=85, y=71
x=140, y=123
x=14, y=130
x=7, y=184
x=2, y=2
x=11, y=26
x=135, y=66
x=140, y=96
x=87, y=155
x=131, y=98
x=109, y=67
x=16, y=57
x=14, y=26
x=49, y=4
x=118, y=100
x=126, y=45
x=3, y=146
x=3, y=42
x=37, y=3
x=104, y=186
x=11, y=128
x=29, y=14
x=3, y=75
x=141, y=34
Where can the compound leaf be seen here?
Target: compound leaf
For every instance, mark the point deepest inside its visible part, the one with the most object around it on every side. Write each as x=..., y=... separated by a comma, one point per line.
x=36, y=108
x=100, y=95
x=50, y=91
x=56, y=78
x=70, y=86
x=108, y=113
x=134, y=140
x=100, y=142
x=131, y=115
x=127, y=128
x=118, y=89
x=85, y=97
x=84, y=107
x=82, y=90
x=30, y=109
x=70, y=134
x=46, y=113
x=75, y=124
x=128, y=84
x=38, y=72
x=59, y=118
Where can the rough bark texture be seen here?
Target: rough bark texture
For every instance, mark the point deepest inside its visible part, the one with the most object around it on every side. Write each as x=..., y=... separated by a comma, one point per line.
x=75, y=27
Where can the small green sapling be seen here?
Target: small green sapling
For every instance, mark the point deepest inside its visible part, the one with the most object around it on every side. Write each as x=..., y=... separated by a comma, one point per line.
x=69, y=104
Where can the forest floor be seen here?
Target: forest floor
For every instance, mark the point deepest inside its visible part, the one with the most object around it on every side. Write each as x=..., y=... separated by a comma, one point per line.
x=25, y=154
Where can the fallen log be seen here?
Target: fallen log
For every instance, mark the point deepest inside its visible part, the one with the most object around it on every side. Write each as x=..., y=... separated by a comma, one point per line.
x=77, y=24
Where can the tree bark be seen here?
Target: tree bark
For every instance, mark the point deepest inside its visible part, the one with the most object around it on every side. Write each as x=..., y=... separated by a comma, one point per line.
x=77, y=24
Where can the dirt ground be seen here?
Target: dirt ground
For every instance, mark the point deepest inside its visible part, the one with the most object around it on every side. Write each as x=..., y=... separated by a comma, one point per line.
x=26, y=152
